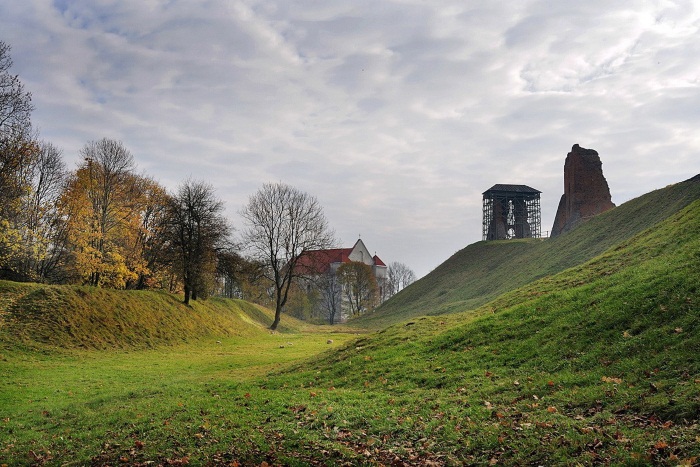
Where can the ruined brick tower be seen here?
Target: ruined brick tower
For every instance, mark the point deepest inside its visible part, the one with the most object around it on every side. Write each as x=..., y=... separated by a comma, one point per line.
x=586, y=192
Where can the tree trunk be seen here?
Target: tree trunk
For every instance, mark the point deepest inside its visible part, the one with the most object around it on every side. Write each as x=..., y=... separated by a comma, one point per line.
x=278, y=314
x=281, y=292
x=187, y=294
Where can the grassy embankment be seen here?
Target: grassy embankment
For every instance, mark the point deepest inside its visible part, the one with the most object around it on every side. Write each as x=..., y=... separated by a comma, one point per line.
x=484, y=270
x=84, y=368
x=597, y=364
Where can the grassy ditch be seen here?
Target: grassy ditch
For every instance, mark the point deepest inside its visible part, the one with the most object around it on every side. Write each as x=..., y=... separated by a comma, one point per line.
x=596, y=365
x=171, y=404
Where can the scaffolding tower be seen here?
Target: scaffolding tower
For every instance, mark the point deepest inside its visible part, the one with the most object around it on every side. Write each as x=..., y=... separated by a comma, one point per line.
x=511, y=211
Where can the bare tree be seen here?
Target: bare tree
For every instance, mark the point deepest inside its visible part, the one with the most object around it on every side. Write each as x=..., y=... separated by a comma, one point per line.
x=45, y=230
x=15, y=104
x=197, y=232
x=328, y=283
x=282, y=223
x=400, y=276
x=359, y=285
x=17, y=143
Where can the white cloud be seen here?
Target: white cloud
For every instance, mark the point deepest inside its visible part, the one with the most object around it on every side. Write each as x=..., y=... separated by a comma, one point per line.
x=397, y=115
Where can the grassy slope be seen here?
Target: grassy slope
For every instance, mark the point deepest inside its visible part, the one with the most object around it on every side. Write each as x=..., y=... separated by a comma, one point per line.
x=598, y=364
x=93, y=318
x=484, y=270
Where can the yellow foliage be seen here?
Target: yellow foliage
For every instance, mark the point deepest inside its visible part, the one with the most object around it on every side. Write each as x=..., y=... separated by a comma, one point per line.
x=107, y=234
x=10, y=242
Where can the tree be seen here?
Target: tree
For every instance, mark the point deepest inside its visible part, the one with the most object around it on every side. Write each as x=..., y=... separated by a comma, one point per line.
x=100, y=203
x=282, y=223
x=241, y=277
x=359, y=285
x=399, y=277
x=16, y=156
x=147, y=251
x=32, y=231
x=230, y=266
x=331, y=290
x=115, y=220
x=197, y=231
x=15, y=104
x=17, y=150
x=44, y=229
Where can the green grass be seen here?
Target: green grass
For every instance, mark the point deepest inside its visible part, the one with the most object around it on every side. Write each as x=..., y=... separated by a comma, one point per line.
x=596, y=364
x=95, y=318
x=484, y=270
x=601, y=362
x=78, y=407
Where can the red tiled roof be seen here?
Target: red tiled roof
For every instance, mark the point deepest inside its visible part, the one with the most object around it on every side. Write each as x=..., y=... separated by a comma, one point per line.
x=319, y=261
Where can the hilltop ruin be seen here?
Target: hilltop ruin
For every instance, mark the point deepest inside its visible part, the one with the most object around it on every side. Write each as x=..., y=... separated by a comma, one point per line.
x=586, y=192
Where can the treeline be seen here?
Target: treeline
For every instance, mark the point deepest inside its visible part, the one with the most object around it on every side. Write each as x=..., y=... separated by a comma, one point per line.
x=104, y=224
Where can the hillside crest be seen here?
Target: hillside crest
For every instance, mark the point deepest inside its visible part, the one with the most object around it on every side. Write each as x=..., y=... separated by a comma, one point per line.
x=484, y=270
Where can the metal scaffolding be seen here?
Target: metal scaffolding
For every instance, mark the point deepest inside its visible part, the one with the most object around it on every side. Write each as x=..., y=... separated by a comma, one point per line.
x=511, y=211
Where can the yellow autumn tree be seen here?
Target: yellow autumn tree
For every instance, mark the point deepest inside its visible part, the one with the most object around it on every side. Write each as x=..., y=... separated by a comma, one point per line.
x=113, y=218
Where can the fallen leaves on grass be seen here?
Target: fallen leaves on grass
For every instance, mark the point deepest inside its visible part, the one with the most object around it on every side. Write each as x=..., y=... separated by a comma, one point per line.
x=661, y=445
x=610, y=379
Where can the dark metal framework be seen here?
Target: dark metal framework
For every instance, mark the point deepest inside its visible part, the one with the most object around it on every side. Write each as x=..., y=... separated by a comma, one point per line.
x=511, y=211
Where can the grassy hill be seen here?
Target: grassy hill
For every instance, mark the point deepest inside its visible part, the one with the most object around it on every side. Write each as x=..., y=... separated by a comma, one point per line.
x=598, y=364
x=95, y=318
x=579, y=350
x=484, y=270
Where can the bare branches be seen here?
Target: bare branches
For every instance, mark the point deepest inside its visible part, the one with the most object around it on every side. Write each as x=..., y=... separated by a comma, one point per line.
x=400, y=277
x=15, y=104
x=282, y=223
x=197, y=230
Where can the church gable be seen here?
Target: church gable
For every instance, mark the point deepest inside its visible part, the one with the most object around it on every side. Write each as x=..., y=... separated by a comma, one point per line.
x=361, y=254
x=315, y=262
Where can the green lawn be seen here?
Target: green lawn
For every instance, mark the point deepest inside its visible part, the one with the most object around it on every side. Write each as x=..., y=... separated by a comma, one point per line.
x=595, y=365
x=69, y=408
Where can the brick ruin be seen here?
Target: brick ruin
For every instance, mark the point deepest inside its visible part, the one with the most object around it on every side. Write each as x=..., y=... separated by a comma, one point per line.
x=513, y=211
x=586, y=192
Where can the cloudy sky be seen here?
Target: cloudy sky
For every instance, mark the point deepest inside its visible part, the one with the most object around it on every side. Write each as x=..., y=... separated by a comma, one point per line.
x=396, y=115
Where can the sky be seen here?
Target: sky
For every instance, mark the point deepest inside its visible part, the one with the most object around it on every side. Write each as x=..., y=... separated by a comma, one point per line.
x=396, y=115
